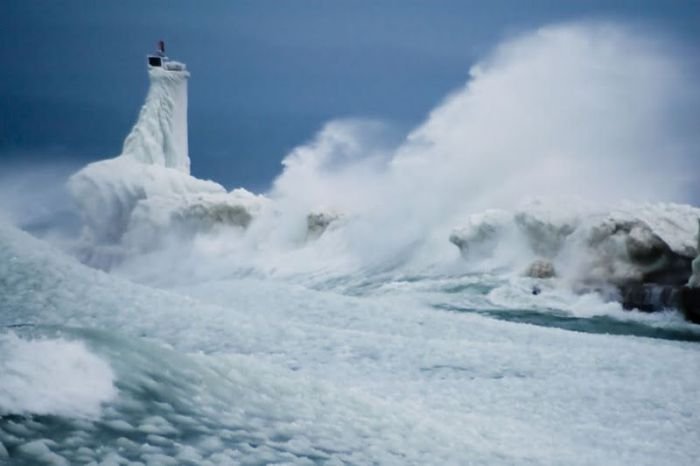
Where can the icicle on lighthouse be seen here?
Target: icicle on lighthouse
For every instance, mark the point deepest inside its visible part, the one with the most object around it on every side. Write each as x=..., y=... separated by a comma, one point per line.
x=159, y=136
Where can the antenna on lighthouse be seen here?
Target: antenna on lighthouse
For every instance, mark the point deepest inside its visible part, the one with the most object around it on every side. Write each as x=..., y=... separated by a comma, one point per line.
x=158, y=59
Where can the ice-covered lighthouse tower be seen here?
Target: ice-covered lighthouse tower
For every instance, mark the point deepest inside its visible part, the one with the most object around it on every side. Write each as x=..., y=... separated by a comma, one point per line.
x=159, y=136
x=129, y=203
x=154, y=162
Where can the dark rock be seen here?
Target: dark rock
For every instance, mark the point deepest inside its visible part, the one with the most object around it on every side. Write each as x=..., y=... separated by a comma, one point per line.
x=655, y=298
x=690, y=303
x=674, y=272
x=650, y=297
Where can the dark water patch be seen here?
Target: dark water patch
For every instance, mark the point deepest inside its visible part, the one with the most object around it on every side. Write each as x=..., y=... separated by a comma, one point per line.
x=596, y=324
x=379, y=284
x=476, y=288
x=445, y=371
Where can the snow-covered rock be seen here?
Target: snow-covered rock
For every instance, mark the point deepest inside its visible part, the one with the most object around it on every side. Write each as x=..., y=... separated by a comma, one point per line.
x=184, y=215
x=632, y=243
x=541, y=268
x=621, y=251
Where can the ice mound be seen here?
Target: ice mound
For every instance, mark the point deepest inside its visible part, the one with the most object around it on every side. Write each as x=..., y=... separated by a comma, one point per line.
x=190, y=213
x=621, y=251
x=633, y=243
x=128, y=206
x=129, y=203
x=107, y=193
x=542, y=231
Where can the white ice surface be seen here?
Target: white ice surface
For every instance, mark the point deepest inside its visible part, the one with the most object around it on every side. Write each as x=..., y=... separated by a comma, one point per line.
x=445, y=387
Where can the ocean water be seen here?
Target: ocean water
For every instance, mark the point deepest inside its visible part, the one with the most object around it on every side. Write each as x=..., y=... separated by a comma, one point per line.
x=181, y=324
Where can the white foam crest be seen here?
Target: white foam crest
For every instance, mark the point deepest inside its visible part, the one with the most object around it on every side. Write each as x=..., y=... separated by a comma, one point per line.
x=52, y=376
x=578, y=110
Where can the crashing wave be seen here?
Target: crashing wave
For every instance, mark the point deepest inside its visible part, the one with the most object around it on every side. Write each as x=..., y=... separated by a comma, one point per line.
x=31, y=369
x=390, y=204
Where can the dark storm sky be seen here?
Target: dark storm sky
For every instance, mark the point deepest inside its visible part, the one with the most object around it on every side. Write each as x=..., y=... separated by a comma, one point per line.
x=265, y=74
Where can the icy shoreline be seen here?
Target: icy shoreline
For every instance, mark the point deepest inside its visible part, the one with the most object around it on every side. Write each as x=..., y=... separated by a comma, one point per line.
x=145, y=199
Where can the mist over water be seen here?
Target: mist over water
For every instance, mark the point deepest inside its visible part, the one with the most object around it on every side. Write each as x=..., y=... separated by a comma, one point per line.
x=585, y=110
x=579, y=116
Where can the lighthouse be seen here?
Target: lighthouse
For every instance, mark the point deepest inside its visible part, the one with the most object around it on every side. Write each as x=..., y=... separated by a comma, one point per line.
x=159, y=136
